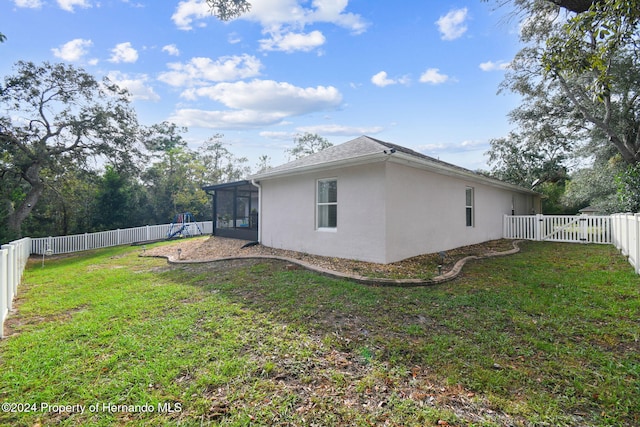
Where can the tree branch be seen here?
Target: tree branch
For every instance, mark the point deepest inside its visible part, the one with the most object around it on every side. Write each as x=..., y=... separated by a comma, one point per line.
x=577, y=6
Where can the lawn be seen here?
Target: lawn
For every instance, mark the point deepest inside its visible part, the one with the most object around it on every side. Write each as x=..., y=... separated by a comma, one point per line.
x=546, y=337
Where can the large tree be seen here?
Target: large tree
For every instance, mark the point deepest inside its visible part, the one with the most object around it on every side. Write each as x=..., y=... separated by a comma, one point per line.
x=306, y=144
x=593, y=58
x=52, y=115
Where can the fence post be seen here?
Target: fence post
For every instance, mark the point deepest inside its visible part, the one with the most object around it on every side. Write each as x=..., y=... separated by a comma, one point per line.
x=636, y=218
x=148, y=233
x=584, y=228
x=627, y=234
x=504, y=226
x=4, y=284
x=11, y=273
x=538, y=227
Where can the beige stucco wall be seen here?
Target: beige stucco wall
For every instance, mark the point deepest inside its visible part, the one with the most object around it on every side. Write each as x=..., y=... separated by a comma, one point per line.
x=432, y=216
x=386, y=212
x=287, y=218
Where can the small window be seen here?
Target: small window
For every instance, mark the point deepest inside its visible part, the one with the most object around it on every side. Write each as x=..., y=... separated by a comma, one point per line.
x=327, y=203
x=469, y=206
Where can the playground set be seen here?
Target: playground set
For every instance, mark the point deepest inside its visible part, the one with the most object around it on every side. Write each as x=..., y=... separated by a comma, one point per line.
x=184, y=225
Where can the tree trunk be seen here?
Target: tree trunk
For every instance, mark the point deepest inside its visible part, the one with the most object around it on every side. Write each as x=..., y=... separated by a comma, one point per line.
x=17, y=216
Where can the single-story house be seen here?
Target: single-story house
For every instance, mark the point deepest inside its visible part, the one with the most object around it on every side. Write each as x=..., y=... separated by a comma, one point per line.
x=369, y=200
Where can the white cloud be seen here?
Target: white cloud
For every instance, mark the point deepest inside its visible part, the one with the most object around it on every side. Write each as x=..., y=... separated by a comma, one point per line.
x=341, y=130
x=171, y=49
x=269, y=96
x=455, y=147
x=137, y=86
x=292, y=42
x=494, y=66
x=277, y=135
x=68, y=5
x=188, y=11
x=275, y=14
x=30, y=4
x=229, y=119
x=234, y=38
x=433, y=76
x=452, y=25
x=381, y=79
x=333, y=11
x=256, y=103
x=73, y=50
x=200, y=70
x=123, y=52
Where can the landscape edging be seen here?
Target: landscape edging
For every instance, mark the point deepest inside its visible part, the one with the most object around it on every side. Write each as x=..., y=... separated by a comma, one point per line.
x=445, y=277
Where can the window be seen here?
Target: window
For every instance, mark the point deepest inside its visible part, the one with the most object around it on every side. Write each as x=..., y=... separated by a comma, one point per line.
x=327, y=203
x=469, y=206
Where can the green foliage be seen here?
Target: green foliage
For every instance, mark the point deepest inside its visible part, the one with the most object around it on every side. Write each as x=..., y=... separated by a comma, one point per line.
x=66, y=118
x=579, y=76
x=50, y=184
x=117, y=201
x=227, y=10
x=629, y=188
x=306, y=144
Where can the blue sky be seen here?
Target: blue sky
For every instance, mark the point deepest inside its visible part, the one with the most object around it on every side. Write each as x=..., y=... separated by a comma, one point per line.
x=422, y=74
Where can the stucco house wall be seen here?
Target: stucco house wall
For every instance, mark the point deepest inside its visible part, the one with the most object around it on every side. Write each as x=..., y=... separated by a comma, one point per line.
x=288, y=214
x=392, y=203
x=426, y=212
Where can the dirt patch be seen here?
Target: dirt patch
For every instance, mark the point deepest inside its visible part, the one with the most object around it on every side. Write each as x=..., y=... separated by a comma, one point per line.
x=419, y=267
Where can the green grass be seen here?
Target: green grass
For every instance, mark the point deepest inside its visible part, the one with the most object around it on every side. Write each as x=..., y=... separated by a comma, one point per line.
x=549, y=336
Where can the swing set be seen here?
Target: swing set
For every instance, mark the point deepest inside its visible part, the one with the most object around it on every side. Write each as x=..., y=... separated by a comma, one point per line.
x=184, y=225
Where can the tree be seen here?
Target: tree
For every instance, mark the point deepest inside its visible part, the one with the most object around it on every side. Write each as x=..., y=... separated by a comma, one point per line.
x=66, y=205
x=226, y=10
x=602, y=48
x=579, y=78
x=264, y=163
x=220, y=165
x=119, y=201
x=548, y=131
x=55, y=114
x=306, y=144
x=2, y=38
x=593, y=57
x=163, y=137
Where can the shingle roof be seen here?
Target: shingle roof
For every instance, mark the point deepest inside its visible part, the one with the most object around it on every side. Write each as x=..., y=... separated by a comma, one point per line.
x=365, y=147
x=359, y=147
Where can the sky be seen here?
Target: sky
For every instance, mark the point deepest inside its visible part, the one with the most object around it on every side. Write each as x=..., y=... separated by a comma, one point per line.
x=421, y=74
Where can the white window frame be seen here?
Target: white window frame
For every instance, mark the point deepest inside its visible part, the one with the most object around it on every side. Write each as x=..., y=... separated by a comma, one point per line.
x=469, y=207
x=323, y=204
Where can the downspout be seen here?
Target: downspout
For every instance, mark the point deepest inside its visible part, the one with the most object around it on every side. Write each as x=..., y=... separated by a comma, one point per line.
x=257, y=184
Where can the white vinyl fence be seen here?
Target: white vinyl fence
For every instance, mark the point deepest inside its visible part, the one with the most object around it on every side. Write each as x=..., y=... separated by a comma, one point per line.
x=103, y=239
x=14, y=256
x=559, y=228
x=13, y=259
x=626, y=237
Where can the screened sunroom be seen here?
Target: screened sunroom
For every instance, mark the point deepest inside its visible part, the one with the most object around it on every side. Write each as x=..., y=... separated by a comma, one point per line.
x=235, y=210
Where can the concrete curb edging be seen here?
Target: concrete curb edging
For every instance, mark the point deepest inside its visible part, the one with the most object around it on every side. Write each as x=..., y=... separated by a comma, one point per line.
x=449, y=275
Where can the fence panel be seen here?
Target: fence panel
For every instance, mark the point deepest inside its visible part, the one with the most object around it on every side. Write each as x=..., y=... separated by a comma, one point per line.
x=4, y=281
x=626, y=237
x=520, y=227
x=103, y=239
x=559, y=228
x=13, y=260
